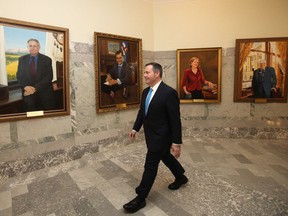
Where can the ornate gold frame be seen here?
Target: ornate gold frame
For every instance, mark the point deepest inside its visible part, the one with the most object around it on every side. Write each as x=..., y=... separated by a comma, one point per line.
x=104, y=60
x=211, y=64
x=248, y=54
x=10, y=103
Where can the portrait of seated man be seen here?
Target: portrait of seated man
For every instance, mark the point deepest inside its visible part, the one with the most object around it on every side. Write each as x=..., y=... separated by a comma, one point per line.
x=35, y=76
x=118, y=78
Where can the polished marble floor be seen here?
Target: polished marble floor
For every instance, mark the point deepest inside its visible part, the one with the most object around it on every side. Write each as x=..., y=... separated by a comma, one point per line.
x=226, y=177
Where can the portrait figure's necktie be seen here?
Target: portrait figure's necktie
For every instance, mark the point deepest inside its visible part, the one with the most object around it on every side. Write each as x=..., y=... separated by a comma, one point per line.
x=262, y=74
x=148, y=100
x=119, y=70
x=32, y=68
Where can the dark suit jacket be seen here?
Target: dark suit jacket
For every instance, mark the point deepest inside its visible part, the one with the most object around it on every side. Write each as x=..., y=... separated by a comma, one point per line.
x=43, y=80
x=126, y=73
x=162, y=124
x=261, y=85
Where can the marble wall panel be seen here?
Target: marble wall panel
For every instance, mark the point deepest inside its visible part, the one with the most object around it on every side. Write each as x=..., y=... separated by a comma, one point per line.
x=91, y=136
x=85, y=95
x=32, y=147
x=271, y=109
x=43, y=127
x=5, y=133
x=148, y=56
x=83, y=79
x=234, y=122
x=194, y=109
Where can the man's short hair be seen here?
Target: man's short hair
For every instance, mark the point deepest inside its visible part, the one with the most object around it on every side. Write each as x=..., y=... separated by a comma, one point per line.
x=156, y=67
x=33, y=39
x=118, y=52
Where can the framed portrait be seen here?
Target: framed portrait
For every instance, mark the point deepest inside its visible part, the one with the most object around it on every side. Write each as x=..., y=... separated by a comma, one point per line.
x=199, y=75
x=118, y=69
x=33, y=70
x=260, y=70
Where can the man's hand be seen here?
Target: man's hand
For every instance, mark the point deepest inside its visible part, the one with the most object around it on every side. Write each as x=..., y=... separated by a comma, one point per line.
x=108, y=78
x=112, y=82
x=132, y=135
x=29, y=90
x=176, y=150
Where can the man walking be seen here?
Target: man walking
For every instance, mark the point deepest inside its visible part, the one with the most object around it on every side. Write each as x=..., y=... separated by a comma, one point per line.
x=159, y=114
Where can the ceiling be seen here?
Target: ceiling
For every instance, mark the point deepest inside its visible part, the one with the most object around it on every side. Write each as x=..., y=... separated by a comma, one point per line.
x=165, y=1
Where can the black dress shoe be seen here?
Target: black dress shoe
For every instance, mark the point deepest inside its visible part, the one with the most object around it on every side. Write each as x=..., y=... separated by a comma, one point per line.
x=178, y=183
x=134, y=205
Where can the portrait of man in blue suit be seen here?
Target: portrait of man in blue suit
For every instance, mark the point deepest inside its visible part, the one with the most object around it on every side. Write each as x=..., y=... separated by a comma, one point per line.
x=264, y=81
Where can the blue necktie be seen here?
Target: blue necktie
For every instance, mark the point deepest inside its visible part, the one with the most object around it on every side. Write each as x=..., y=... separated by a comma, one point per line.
x=148, y=100
x=119, y=70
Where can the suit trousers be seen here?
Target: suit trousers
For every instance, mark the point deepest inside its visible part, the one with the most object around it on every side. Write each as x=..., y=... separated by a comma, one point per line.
x=37, y=102
x=151, y=168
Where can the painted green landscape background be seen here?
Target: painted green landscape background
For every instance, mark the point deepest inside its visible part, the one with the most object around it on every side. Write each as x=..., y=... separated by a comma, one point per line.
x=12, y=64
x=15, y=40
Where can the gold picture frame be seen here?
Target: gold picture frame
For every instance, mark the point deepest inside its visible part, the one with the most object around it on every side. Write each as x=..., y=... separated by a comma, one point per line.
x=210, y=64
x=14, y=35
x=251, y=55
x=112, y=97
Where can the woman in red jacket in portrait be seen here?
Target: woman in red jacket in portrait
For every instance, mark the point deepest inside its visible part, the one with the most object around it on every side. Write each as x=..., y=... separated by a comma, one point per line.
x=193, y=80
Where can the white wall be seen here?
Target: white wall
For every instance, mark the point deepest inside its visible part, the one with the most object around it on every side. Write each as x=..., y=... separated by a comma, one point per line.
x=216, y=23
x=132, y=18
x=164, y=25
